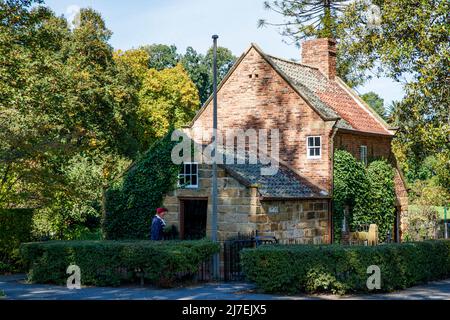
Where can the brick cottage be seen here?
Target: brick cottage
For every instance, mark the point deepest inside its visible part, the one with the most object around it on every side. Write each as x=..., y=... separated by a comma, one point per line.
x=316, y=113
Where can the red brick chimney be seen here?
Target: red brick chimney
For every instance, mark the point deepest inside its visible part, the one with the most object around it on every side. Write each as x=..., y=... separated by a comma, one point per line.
x=320, y=53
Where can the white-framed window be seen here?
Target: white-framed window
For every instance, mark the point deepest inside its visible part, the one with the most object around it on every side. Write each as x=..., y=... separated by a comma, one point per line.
x=363, y=154
x=188, y=177
x=314, y=147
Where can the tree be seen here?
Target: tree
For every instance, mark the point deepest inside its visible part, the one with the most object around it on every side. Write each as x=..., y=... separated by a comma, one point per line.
x=161, y=56
x=194, y=65
x=306, y=18
x=225, y=60
x=136, y=61
x=168, y=98
x=303, y=19
x=200, y=67
x=75, y=209
x=410, y=46
x=60, y=94
x=375, y=102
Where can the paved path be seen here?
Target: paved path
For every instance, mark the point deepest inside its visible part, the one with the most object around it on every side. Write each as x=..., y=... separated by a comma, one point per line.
x=15, y=287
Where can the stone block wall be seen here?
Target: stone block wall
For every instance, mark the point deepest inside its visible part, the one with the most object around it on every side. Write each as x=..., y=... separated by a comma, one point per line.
x=235, y=204
x=240, y=210
x=295, y=221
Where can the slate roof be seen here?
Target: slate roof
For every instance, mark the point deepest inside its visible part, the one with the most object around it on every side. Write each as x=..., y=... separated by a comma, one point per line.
x=329, y=97
x=284, y=184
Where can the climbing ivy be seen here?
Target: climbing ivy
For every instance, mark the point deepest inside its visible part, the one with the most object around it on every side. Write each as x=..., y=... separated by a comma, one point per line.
x=382, y=196
x=350, y=189
x=368, y=192
x=131, y=203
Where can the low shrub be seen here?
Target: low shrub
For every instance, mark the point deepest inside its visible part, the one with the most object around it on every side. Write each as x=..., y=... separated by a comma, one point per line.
x=15, y=228
x=111, y=263
x=343, y=269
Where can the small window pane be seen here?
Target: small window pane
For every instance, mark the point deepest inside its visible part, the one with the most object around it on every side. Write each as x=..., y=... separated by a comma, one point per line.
x=310, y=141
x=311, y=152
x=317, y=142
x=317, y=151
x=363, y=154
x=188, y=178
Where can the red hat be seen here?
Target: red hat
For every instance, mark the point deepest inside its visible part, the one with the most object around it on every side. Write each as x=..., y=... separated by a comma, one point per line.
x=161, y=210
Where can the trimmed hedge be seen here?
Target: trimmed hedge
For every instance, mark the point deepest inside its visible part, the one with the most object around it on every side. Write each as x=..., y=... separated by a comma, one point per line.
x=111, y=263
x=343, y=269
x=15, y=228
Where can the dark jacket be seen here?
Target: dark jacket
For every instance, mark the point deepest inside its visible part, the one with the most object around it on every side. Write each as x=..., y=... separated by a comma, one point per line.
x=157, y=229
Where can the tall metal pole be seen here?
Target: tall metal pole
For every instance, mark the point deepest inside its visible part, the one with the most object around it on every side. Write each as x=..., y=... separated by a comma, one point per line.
x=445, y=222
x=216, y=271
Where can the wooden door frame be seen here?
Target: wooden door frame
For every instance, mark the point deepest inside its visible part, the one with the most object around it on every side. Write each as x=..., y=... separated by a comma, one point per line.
x=181, y=214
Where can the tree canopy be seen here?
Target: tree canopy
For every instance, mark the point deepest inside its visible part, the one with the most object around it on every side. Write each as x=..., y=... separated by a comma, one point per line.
x=166, y=98
x=161, y=56
x=375, y=102
x=60, y=94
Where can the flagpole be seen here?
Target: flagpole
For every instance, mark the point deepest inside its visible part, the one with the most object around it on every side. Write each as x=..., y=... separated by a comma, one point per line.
x=216, y=271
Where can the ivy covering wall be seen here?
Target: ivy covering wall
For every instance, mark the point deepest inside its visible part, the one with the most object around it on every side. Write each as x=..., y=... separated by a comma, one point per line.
x=368, y=192
x=131, y=203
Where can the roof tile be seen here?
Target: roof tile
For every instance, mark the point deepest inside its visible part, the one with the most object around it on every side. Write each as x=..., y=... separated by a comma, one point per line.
x=328, y=96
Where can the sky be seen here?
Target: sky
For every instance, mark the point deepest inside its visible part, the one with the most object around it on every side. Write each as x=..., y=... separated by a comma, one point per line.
x=192, y=23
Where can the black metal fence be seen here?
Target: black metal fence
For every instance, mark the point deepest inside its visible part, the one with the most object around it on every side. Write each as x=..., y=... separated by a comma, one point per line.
x=232, y=249
x=232, y=269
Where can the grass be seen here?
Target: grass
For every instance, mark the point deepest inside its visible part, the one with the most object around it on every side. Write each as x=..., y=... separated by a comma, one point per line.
x=2, y=294
x=440, y=210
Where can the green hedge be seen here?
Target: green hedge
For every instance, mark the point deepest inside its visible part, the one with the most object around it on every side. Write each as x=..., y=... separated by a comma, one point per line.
x=110, y=263
x=15, y=228
x=343, y=269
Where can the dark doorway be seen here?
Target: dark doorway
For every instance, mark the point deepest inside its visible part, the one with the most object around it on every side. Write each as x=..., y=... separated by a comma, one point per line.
x=193, y=218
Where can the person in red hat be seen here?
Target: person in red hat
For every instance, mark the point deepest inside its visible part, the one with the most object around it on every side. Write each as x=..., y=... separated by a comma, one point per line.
x=158, y=224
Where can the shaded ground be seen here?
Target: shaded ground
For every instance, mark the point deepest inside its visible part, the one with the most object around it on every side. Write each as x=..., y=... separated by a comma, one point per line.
x=15, y=287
